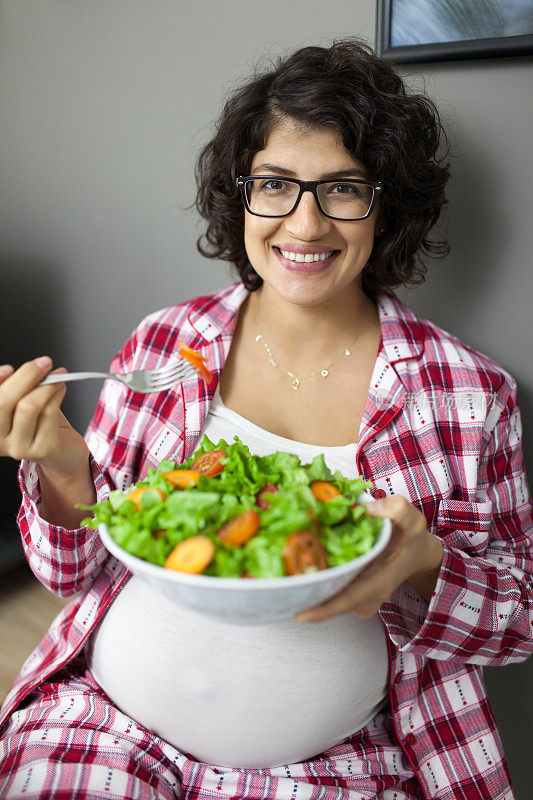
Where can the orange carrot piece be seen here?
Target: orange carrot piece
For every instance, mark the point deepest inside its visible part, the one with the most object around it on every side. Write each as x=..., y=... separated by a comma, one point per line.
x=196, y=359
x=189, y=351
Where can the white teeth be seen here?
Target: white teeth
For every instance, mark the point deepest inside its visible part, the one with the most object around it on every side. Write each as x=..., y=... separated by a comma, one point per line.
x=308, y=257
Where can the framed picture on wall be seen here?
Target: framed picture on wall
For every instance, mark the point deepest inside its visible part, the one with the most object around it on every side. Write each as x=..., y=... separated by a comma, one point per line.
x=445, y=30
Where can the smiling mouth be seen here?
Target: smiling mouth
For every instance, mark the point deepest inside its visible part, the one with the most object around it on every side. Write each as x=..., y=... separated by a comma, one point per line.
x=306, y=258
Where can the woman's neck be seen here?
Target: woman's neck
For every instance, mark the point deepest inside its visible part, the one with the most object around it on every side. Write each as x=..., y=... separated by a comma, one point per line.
x=311, y=333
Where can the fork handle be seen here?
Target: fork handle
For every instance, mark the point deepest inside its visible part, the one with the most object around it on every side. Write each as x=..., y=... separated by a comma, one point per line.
x=65, y=377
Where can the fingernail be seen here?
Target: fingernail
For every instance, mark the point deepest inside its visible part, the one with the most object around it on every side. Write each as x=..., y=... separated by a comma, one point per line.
x=374, y=505
x=305, y=616
x=5, y=370
x=44, y=362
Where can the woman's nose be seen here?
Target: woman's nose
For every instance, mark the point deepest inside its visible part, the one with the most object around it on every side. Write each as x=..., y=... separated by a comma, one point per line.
x=307, y=221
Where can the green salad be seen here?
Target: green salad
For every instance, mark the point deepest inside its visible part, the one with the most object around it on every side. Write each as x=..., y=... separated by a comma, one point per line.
x=226, y=512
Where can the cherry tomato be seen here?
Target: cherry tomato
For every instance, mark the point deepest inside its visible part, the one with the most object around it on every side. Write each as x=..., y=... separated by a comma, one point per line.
x=303, y=552
x=208, y=463
x=191, y=555
x=314, y=521
x=136, y=494
x=238, y=530
x=181, y=478
x=261, y=500
x=324, y=491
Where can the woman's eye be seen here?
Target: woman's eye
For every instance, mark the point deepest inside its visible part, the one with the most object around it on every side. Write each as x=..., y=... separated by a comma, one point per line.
x=273, y=185
x=344, y=188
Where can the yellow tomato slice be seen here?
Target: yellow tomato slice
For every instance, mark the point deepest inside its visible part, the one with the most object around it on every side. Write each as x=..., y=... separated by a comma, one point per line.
x=238, y=530
x=324, y=491
x=192, y=555
x=136, y=495
x=181, y=478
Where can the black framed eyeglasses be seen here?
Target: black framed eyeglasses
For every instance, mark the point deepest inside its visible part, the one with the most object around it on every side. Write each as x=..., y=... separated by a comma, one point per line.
x=347, y=199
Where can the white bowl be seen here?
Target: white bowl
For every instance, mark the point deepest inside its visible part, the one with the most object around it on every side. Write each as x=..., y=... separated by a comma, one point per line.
x=247, y=601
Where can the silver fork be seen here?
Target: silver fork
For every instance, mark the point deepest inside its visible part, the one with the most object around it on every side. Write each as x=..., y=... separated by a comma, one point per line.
x=144, y=381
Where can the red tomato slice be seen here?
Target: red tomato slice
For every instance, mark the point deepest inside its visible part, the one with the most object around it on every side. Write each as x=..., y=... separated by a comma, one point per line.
x=314, y=521
x=209, y=463
x=303, y=552
x=261, y=500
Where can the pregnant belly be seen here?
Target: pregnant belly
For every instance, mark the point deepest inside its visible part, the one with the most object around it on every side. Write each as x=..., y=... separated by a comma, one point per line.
x=239, y=696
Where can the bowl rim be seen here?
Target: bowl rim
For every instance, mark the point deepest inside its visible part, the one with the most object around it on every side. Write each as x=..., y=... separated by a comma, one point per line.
x=227, y=583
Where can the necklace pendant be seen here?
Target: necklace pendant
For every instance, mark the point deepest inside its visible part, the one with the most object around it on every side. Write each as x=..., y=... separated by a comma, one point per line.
x=295, y=383
x=324, y=373
x=259, y=337
x=347, y=352
x=271, y=361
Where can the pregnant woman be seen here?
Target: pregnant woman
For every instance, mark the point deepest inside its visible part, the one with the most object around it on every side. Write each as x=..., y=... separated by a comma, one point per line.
x=320, y=186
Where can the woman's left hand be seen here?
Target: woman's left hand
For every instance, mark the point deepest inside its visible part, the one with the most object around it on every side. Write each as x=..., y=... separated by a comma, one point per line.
x=412, y=554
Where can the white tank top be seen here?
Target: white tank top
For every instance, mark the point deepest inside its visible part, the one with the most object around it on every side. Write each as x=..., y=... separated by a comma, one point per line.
x=253, y=696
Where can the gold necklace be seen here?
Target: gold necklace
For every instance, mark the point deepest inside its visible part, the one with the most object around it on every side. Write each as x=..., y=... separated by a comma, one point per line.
x=297, y=380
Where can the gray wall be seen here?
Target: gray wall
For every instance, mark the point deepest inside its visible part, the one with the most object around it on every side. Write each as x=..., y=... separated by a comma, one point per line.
x=104, y=105
x=482, y=291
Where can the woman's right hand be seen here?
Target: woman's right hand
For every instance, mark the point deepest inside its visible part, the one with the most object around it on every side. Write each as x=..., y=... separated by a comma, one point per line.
x=33, y=428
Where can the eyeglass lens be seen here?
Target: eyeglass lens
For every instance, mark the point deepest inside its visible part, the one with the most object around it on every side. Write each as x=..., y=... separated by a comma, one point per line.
x=275, y=197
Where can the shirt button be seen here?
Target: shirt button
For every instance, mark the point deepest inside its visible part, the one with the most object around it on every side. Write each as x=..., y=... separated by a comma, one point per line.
x=379, y=493
x=399, y=676
x=410, y=739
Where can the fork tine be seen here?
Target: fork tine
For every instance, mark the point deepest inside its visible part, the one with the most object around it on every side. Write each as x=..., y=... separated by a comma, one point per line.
x=163, y=387
x=175, y=369
x=168, y=384
x=170, y=381
x=179, y=368
x=172, y=367
x=173, y=376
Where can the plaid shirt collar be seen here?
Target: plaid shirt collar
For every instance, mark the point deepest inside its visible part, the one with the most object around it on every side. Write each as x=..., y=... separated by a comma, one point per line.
x=402, y=334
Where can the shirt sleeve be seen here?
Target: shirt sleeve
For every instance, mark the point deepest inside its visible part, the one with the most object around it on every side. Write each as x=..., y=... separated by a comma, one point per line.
x=66, y=561
x=481, y=611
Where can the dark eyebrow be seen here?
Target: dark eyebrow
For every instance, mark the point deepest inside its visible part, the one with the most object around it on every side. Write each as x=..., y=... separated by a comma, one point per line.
x=277, y=170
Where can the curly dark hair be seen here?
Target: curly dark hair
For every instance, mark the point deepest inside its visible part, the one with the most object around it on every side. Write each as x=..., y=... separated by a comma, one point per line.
x=397, y=137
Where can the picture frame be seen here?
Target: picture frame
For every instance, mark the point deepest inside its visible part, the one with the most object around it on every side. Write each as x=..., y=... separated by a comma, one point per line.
x=474, y=28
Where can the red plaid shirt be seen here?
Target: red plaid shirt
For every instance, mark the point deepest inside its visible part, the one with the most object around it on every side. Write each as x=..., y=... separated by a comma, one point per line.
x=441, y=427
